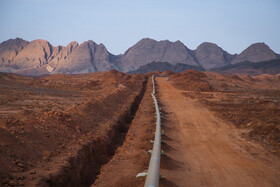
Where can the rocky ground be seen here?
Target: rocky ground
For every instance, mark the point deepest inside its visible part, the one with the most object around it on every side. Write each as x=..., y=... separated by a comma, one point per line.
x=95, y=129
x=248, y=102
x=57, y=127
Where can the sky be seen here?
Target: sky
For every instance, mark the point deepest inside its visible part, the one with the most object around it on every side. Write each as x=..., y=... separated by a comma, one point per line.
x=118, y=24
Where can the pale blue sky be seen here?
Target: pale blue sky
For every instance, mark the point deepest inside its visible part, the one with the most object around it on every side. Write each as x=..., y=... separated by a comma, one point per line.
x=118, y=24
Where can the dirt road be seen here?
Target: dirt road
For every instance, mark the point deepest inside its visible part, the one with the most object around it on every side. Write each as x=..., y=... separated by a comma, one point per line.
x=202, y=150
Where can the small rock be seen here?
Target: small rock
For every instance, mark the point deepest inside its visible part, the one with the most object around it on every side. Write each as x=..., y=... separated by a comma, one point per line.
x=15, y=170
x=46, y=153
x=54, y=153
x=249, y=124
x=21, y=177
x=32, y=172
x=5, y=181
x=20, y=165
x=12, y=183
x=45, y=158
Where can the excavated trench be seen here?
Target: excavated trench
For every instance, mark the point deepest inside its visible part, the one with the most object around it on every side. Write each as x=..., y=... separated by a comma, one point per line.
x=83, y=169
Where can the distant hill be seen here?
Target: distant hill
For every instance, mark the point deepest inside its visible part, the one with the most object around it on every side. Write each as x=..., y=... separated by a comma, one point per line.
x=39, y=57
x=210, y=56
x=251, y=68
x=147, y=50
x=165, y=66
x=257, y=52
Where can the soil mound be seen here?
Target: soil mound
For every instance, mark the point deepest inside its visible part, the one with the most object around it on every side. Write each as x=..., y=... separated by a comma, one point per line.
x=267, y=78
x=153, y=73
x=168, y=73
x=246, y=78
x=115, y=76
x=191, y=80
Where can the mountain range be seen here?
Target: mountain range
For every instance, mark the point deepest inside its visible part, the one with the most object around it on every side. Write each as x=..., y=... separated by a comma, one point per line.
x=39, y=57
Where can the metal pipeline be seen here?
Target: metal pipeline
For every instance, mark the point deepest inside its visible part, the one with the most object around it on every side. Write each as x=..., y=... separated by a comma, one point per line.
x=153, y=174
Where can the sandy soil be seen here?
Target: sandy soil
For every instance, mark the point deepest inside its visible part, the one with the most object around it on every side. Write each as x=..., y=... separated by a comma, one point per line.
x=247, y=102
x=203, y=150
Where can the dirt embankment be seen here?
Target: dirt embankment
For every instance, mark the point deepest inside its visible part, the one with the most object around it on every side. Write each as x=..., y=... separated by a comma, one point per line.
x=60, y=129
x=249, y=102
x=191, y=80
x=132, y=157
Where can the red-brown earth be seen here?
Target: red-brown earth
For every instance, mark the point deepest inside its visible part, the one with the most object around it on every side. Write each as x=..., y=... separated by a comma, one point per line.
x=248, y=102
x=58, y=130
x=95, y=129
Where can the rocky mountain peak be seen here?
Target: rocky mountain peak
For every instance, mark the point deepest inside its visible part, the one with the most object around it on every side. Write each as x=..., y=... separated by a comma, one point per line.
x=102, y=45
x=9, y=49
x=71, y=46
x=13, y=42
x=148, y=50
x=73, y=43
x=210, y=56
x=145, y=40
x=256, y=53
x=60, y=53
x=35, y=54
x=257, y=48
x=207, y=45
x=87, y=57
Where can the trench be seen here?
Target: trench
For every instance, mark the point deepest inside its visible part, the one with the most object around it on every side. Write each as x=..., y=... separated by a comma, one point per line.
x=83, y=169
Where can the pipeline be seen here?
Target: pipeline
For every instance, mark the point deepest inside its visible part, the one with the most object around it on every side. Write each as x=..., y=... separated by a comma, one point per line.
x=152, y=179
